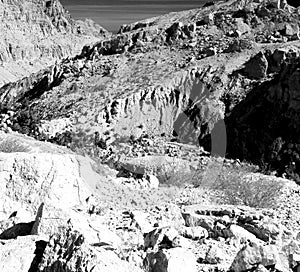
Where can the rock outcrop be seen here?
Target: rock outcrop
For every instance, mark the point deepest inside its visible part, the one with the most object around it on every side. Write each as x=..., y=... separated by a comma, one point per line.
x=37, y=33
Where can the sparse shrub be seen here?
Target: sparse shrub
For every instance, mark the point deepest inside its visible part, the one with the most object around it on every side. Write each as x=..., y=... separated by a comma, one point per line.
x=175, y=172
x=178, y=178
x=241, y=188
x=11, y=146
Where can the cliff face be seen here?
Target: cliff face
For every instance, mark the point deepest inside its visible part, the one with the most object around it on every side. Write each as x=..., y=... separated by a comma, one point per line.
x=36, y=33
x=264, y=127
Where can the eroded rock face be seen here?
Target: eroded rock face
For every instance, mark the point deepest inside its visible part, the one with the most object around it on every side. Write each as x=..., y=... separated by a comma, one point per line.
x=36, y=34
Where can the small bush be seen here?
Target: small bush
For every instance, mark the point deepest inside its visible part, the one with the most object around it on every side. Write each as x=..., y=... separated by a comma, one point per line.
x=11, y=146
x=240, y=188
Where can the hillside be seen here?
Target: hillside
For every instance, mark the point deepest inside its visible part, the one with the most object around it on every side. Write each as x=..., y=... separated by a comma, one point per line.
x=171, y=146
x=37, y=33
x=179, y=74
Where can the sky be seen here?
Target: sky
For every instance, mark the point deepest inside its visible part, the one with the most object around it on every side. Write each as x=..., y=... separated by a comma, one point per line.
x=112, y=13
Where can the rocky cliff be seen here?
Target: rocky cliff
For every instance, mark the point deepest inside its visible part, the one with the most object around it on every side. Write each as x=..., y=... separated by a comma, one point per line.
x=36, y=33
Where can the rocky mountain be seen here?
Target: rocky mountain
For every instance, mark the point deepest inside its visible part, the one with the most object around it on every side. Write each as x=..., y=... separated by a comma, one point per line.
x=182, y=74
x=37, y=33
x=170, y=146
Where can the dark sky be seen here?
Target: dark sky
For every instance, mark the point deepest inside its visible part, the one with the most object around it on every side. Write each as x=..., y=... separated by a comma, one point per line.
x=113, y=13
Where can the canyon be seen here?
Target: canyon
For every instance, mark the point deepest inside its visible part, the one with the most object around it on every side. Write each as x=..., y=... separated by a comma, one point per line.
x=170, y=146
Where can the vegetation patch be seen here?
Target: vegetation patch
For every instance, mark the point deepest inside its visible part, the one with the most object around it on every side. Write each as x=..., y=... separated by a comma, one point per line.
x=12, y=145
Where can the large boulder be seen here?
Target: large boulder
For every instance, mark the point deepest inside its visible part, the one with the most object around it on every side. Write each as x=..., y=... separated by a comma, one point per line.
x=17, y=254
x=253, y=255
x=29, y=179
x=44, y=186
x=68, y=251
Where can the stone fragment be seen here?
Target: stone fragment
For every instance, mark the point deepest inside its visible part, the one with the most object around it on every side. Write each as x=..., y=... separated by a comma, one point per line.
x=194, y=233
x=194, y=220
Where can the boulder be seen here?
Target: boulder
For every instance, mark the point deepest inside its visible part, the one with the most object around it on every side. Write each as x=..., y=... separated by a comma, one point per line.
x=241, y=234
x=291, y=30
x=161, y=238
x=256, y=68
x=241, y=26
x=173, y=32
x=193, y=220
x=277, y=59
x=215, y=255
x=36, y=178
x=171, y=260
x=105, y=236
x=69, y=251
x=194, y=233
x=139, y=219
x=264, y=231
x=17, y=254
x=251, y=256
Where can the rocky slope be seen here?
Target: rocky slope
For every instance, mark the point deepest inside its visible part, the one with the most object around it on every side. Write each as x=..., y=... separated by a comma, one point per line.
x=37, y=33
x=84, y=219
x=158, y=107
x=181, y=74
